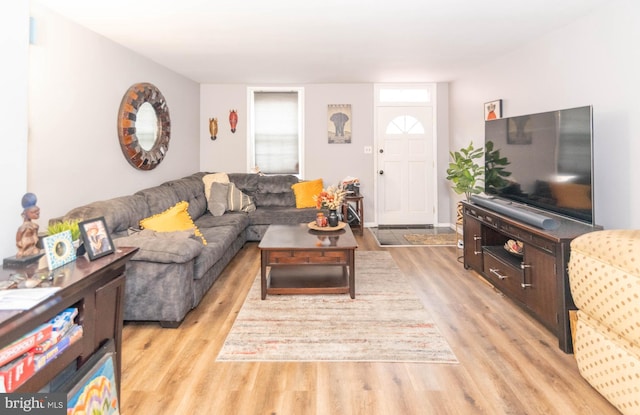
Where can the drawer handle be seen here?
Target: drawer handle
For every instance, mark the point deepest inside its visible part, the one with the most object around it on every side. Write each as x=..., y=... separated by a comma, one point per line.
x=496, y=272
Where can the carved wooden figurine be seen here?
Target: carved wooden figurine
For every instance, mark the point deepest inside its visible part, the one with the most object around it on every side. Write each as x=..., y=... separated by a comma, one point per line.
x=27, y=236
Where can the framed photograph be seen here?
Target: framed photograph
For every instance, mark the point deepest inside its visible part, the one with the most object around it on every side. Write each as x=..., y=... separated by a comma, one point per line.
x=96, y=238
x=493, y=110
x=339, y=123
x=59, y=249
x=94, y=388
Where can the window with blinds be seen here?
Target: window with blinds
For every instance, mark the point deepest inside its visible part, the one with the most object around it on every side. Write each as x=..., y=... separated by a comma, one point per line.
x=277, y=131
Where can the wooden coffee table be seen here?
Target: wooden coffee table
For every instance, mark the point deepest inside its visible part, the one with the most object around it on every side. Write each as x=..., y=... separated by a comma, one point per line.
x=295, y=259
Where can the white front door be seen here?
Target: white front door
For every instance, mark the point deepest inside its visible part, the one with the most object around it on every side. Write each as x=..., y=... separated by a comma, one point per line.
x=406, y=183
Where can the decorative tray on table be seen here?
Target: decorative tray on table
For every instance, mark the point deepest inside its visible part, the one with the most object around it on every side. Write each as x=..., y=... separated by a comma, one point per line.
x=313, y=225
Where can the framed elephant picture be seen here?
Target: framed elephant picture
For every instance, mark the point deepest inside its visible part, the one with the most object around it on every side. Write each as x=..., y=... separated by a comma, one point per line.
x=339, y=123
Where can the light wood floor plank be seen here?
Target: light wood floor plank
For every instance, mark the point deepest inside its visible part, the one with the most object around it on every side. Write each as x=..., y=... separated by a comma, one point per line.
x=508, y=363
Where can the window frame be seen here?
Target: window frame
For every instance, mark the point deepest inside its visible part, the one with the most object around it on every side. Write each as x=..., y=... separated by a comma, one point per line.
x=251, y=155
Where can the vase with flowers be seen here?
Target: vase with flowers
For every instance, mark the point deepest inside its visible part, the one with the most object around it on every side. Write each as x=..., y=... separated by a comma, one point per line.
x=331, y=198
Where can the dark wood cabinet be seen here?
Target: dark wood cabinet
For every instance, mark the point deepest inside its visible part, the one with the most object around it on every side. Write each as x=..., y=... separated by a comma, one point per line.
x=537, y=280
x=96, y=288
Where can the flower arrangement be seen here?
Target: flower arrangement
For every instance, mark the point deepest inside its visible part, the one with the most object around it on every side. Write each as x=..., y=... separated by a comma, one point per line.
x=330, y=198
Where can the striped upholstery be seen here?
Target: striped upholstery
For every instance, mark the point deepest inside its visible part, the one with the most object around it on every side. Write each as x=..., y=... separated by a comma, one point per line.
x=604, y=275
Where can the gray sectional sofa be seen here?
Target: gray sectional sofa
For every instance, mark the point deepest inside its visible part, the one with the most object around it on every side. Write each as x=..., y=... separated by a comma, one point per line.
x=172, y=271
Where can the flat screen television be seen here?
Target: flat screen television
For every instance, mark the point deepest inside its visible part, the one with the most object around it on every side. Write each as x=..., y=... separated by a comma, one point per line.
x=549, y=161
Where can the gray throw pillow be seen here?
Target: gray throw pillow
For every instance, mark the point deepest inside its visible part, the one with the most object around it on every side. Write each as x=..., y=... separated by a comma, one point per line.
x=217, y=202
x=238, y=201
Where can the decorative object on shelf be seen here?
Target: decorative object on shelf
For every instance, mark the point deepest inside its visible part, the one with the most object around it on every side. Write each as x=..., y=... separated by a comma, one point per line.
x=321, y=220
x=233, y=120
x=144, y=126
x=97, y=240
x=493, y=110
x=339, y=124
x=330, y=198
x=464, y=172
x=351, y=185
x=27, y=235
x=213, y=128
x=333, y=218
x=59, y=249
x=68, y=225
x=514, y=247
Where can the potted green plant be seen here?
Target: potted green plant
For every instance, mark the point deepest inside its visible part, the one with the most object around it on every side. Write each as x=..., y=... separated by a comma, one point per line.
x=67, y=225
x=465, y=172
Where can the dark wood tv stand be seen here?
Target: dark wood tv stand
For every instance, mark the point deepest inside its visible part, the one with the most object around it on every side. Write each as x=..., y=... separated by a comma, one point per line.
x=96, y=288
x=538, y=281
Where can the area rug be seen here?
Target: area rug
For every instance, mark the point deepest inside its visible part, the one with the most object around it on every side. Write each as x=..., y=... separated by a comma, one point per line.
x=448, y=239
x=386, y=322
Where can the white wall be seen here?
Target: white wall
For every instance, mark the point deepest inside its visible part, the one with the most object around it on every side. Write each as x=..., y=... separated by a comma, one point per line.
x=77, y=81
x=14, y=46
x=331, y=162
x=593, y=61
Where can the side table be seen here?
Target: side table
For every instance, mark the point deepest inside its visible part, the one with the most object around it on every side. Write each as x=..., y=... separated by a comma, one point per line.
x=353, y=212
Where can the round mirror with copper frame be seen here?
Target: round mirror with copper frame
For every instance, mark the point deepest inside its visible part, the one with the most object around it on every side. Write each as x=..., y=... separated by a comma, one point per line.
x=140, y=154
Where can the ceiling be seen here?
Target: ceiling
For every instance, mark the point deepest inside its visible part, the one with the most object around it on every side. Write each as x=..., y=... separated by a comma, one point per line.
x=328, y=41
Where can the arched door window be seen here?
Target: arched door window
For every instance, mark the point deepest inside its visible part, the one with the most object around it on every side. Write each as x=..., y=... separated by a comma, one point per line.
x=405, y=124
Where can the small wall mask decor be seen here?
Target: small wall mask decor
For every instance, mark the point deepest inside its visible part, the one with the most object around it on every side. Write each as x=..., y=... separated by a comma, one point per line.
x=233, y=120
x=213, y=128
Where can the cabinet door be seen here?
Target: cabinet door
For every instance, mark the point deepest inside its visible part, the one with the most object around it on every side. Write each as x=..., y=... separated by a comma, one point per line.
x=472, y=243
x=540, y=285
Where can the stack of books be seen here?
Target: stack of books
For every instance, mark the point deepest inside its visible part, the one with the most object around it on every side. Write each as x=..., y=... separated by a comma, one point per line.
x=24, y=357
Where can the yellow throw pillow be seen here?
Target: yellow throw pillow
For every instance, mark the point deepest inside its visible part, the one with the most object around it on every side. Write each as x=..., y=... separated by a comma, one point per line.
x=304, y=192
x=175, y=218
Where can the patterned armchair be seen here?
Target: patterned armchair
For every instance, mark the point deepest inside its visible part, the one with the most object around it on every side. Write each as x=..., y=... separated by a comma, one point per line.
x=604, y=275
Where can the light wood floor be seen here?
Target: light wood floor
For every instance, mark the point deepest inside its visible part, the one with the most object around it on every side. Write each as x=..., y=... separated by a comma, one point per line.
x=509, y=364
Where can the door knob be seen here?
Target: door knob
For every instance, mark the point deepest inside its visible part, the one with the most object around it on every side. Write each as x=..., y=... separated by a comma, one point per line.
x=381, y=172
x=381, y=151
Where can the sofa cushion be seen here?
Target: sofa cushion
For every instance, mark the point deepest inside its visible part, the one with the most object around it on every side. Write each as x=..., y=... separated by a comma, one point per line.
x=275, y=199
x=217, y=200
x=237, y=201
x=305, y=191
x=173, y=219
x=164, y=247
x=280, y=183
x=219, y=240
x=209, y=179
x=247, y=182
x=119, y=213
x=238, y=220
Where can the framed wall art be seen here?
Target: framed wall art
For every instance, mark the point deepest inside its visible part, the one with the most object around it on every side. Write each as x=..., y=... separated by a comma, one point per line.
x=339, y=123
x=493, y=110
x=94, y=388
x=59, y=249
x=96, y=238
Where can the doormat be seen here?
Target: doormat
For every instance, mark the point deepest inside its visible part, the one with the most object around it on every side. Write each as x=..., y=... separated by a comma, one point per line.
x=444, y=239
x=386, y=322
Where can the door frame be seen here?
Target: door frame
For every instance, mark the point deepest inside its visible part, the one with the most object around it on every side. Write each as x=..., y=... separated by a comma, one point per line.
x=433, y=102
